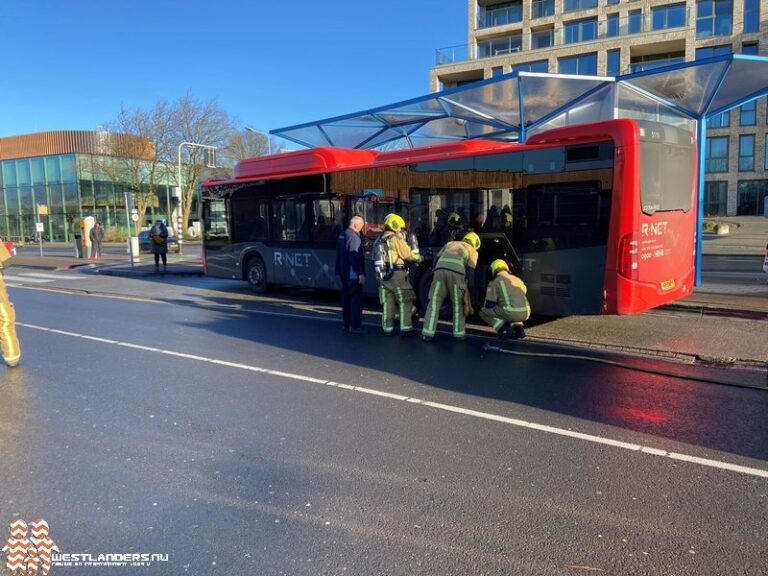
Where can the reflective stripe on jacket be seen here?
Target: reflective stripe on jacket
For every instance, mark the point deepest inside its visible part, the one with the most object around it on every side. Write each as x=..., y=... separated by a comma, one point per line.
x=457, y=256
x=508, y=291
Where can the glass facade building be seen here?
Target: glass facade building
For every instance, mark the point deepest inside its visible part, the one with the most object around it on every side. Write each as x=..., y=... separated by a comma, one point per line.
x=56, y=178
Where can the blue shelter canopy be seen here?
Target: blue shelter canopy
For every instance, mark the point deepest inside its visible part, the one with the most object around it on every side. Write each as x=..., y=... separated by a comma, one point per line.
x=513, y=106
x=517, y=105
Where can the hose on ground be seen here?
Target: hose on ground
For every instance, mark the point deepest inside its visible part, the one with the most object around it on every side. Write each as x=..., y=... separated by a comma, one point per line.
x=624, y=365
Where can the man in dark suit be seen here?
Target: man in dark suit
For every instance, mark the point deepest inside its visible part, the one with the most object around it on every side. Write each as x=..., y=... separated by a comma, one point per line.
x=350, y=268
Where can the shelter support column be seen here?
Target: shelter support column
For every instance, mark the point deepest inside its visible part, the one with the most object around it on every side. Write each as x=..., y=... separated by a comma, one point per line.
x=701, y=142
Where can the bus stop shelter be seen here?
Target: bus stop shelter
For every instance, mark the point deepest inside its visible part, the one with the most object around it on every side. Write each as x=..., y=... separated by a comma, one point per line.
x=519, y=105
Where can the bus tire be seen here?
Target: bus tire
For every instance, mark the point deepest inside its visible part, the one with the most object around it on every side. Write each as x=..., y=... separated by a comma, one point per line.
x=257, y=275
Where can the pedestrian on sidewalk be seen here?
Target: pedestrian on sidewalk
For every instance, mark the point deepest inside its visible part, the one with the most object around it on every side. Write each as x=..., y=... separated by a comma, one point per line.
x=350, y=268
x=765, y=260
x=9, y=342
x=97, y=237
x=159, y=235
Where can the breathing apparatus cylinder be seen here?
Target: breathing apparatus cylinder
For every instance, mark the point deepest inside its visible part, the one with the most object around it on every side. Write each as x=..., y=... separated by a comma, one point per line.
x=413, y=242
x=379, y=263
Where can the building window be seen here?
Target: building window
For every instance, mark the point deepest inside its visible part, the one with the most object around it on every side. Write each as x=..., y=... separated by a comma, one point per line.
x=672, y=16
x=717, y=155
x=497, y=71
x=569, y=5
x=765, y=162
x=720, y=121
x=580, y=30
x=613, y=67
x=542, y=39
x=751, y=197
x=612, y=25
x=749, y=48
x=505, y=45
x=748, y=114
x=714, y=18
x=585, y=64
x=650, y=61
x=635, y=21
x=612, y=2
x=746, y=152
x=751, y=16
x=538, y=66
x=712, y=51
x=543, y=8
x=500, y=14
x=715, y=198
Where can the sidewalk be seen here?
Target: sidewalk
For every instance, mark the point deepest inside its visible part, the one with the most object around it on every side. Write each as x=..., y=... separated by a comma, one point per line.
x=718, y=325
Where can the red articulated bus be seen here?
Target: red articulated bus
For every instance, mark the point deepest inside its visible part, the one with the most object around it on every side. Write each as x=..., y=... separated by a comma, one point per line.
x=596, y=218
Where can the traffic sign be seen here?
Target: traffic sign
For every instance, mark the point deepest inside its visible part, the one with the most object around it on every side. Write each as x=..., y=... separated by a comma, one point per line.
x=135, y=217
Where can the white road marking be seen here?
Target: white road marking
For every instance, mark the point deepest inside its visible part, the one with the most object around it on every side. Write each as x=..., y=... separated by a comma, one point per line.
x=14, y=278
x=39, y=277
x=649, y=450
x=52, y=276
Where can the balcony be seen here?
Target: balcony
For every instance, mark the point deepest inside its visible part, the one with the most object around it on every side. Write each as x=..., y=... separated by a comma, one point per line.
x=542, y=8
x=556, y=37
x=500, y=15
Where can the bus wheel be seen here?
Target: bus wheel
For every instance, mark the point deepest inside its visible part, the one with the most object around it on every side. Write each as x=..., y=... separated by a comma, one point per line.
x=257, y=275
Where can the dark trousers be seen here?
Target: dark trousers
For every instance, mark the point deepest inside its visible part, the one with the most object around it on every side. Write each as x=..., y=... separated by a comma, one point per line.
x=352, y=303
x=159, y=255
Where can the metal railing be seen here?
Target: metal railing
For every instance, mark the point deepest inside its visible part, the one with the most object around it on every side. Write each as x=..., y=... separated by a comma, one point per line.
x=564, y=35
x=500, y=16
x=542, y=8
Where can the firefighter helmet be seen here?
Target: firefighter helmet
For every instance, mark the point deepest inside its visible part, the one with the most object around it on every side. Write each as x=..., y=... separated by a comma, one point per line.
x=454, y=219
x=498, y=265
x=472, y=239
x=394, y=222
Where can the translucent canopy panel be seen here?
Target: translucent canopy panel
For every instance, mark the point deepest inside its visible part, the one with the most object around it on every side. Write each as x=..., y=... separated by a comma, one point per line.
x=596, y=106
x=746, y=80
x=549, y=94
x=690, y=87
x=491, y=108
x=641, y=106
x=513, y=105
x=705, y=87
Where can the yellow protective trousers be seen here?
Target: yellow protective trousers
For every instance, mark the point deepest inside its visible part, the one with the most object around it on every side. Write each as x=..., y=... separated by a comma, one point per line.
x=397, y=297
x=499, y=316
x=9, y=343
x=446, y=284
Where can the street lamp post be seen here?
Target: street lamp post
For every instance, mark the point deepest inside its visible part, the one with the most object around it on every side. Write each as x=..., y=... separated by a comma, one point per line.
x=265, y=134
x=180, y=216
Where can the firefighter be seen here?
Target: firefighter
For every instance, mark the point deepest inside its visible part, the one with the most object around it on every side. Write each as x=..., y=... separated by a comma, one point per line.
x=506, y=305
x=453, y=263
x=9, y=343
x=446, y=229
x=395, y=291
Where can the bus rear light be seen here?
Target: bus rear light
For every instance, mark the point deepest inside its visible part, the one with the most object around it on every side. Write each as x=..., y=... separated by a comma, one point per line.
x=628, y=265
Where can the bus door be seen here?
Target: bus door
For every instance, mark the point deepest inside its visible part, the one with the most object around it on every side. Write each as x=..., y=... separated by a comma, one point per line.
x=304, y=228
x=216, y=237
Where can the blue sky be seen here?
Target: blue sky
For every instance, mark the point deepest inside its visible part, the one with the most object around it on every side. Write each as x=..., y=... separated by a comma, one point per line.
x=71, y=64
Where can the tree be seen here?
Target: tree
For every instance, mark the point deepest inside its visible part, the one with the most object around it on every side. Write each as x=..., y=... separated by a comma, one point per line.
x=202, y=123
x=138, y=149
x=245, y=144
x=142, y=149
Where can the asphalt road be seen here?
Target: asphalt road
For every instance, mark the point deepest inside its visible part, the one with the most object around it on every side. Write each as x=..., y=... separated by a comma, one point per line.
x=260, y=439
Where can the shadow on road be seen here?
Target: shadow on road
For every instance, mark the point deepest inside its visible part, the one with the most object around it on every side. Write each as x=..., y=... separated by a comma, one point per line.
x=706, y=415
